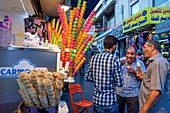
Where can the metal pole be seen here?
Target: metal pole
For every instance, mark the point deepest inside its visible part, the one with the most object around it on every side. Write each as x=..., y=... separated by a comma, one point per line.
x=122, y=11
x=168, y=46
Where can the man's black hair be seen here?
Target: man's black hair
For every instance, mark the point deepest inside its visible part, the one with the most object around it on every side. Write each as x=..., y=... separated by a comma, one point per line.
x=110, y=41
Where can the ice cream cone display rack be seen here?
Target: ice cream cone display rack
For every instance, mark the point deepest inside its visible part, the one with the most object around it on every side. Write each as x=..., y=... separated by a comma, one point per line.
x=71, y=36
x=41, y=88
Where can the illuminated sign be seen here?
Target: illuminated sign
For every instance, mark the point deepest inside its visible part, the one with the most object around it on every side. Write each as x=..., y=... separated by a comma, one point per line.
x=22, y=65
x=163, y=27
x=146, y=16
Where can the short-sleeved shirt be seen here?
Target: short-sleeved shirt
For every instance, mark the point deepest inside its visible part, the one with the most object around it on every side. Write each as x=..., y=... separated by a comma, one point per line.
x=157, y=77
x=131, y=82
x=105, y=72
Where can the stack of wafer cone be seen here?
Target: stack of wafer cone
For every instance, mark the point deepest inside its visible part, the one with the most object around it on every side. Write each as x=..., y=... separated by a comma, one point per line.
x=33, y=78
x=27, y=87
x=43, y=99
x=23, y=96
x=40, y=84
x=40, y=88
x=62, y=75
x=59, y=85
x=49, y=75
x=49, y=90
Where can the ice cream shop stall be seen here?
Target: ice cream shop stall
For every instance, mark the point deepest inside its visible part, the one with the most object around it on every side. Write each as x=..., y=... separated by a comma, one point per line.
x=36, y=72
x=15, y=60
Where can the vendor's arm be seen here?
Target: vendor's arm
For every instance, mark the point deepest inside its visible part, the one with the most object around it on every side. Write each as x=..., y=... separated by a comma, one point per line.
x=153, y=97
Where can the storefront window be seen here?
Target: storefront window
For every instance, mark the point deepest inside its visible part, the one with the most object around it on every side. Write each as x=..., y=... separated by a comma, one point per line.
x=158, y=2
x=163, y=39
x=135, y=8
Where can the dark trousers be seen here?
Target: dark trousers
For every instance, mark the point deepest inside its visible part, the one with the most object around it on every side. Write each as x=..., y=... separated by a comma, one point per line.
x=105, y=109
x=132, y=104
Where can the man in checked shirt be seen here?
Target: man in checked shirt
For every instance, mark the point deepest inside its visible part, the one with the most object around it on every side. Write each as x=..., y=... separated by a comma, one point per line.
x=105, y=72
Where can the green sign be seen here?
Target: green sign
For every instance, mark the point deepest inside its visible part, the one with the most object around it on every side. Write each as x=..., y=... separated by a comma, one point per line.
x=146, y=16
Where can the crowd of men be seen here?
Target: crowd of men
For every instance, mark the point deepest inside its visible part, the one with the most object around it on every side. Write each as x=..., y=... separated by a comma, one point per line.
x=143, y=88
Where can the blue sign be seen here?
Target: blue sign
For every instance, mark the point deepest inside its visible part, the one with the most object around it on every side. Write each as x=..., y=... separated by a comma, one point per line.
x=163, y=27
x=21, y=65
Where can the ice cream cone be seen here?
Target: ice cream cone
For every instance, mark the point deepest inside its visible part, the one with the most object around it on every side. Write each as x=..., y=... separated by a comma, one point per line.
x=33, y=76
x=47, y=82
x=58, y=93
x=138, y=67
x=59, y=84
x=49, y=75
x=43, y=99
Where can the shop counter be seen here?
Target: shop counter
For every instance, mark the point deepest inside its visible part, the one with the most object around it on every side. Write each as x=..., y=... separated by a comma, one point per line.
x=17, y=59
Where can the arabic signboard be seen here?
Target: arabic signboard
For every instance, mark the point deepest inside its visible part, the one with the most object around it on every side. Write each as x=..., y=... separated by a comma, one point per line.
x=146, y=16
x=163, y=27
x=117, y=32
x=20, y=66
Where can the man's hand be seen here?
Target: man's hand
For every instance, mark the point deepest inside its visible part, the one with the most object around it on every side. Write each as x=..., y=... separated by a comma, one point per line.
x=142, y=110
x=151, y=100
x=131, y=70
x=139, y=74
x=123, y=61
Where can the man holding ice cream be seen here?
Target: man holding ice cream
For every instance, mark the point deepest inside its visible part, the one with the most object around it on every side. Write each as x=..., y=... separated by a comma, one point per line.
x=128, y=94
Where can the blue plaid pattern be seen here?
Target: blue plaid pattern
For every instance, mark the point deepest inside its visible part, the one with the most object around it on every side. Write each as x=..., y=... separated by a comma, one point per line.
x=131, y=83
x=105, y=72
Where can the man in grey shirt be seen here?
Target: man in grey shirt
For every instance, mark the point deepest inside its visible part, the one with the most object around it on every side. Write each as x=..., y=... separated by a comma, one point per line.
x=154, y=95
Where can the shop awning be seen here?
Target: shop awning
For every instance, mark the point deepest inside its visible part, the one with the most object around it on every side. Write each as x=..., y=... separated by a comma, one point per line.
x=147, y=16
x=102, y=35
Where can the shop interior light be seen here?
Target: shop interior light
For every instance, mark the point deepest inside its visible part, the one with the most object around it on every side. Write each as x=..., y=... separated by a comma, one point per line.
x=165, y=40
x=163, y=34
x=66, y=8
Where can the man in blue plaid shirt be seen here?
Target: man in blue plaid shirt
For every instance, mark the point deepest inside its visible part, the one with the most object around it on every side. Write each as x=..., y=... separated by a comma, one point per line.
x=105, y=72
x=128, y=94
